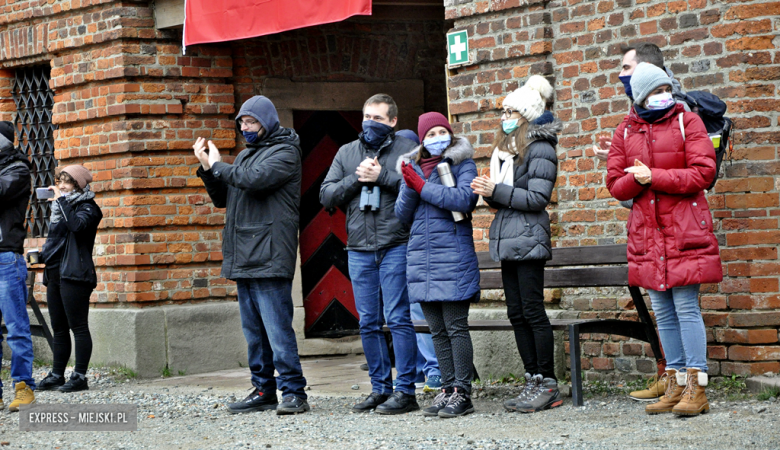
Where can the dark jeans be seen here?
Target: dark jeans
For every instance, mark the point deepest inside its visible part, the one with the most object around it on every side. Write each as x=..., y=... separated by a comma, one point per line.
x=13, y=307
x=449, y=324
x=379, y=284
x=68, y=303
x=266, y=316
x=524, y=288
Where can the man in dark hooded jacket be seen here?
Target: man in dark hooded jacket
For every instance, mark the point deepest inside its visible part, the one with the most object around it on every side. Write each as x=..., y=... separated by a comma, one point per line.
x=261, y=191
x=15, y=186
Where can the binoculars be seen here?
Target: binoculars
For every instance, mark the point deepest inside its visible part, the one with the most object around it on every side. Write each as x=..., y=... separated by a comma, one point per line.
x=369, y=199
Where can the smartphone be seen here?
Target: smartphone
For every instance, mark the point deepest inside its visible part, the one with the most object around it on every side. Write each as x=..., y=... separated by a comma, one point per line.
x=44, y=193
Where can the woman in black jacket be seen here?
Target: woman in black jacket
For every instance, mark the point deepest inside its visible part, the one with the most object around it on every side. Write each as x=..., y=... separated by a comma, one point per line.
x=70, y=275
x=522, y=175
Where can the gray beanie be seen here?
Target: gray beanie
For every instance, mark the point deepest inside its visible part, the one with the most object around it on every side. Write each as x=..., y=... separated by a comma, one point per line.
x=645, y=79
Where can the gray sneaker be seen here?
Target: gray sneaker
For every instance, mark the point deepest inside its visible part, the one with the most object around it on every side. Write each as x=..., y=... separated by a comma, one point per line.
x=531, y=384
x=546, y=396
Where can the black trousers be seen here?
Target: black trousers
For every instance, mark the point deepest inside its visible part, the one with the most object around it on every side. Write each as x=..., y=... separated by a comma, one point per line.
x=68, y=303
x=524, y=288
x=449, y=324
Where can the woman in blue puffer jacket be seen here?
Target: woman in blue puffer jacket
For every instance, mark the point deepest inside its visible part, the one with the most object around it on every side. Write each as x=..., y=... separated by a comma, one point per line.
x=442, y=269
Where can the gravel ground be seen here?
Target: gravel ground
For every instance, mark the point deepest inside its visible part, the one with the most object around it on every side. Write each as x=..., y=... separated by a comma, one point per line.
x=187, y=417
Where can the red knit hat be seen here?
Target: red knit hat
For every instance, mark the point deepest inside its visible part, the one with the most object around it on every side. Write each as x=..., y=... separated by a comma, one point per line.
x=430, y=120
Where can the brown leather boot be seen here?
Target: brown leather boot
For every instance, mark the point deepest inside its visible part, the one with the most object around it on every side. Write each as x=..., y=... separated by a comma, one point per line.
x=694, y=400
x=671, y=396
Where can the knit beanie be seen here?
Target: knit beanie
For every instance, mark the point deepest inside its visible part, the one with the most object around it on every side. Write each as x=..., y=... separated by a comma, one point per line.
x=80, y=174
x=430, y=120
x=645, y=79
x=6, y=134
x=529, y=100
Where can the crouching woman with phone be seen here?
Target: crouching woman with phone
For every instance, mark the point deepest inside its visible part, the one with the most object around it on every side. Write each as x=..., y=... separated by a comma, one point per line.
x=70, y=275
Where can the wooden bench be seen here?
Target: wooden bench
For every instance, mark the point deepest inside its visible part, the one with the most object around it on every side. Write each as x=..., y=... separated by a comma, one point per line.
x=572, y=267
x=40, y=329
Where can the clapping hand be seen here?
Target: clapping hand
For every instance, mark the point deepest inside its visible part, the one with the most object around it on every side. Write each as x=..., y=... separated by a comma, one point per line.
x=642, y=173
x=483, y=186
x=368, y=171
x=602, y=150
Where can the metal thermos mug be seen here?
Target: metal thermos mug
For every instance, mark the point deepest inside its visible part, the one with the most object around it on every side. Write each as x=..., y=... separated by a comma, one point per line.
x=448, y=180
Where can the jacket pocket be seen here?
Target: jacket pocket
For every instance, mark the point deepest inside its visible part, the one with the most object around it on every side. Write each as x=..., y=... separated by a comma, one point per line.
x=692, y=225
x=637, y=232
x=253, y=246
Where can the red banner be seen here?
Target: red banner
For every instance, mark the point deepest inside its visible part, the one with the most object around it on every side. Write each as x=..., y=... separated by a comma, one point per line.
x=230, y=20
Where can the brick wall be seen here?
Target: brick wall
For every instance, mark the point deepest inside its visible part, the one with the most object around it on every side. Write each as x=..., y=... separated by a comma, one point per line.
x=728, y=48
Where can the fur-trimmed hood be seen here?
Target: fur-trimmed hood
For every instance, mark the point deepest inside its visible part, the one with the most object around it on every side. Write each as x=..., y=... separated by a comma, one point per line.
x=460, y=151
x=548, y=131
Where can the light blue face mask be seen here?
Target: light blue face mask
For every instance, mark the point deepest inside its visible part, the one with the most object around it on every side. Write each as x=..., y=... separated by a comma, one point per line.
x=509, y=125
x=437, y=144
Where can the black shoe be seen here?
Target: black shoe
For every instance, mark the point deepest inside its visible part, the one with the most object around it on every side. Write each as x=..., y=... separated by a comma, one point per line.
x=364, y=366
x=292, y=405
x=459, y=405
x=76, y=383
x=371, y=402
x=256, y=401
x=50, y=383
x=398, y=403
x=438, y=403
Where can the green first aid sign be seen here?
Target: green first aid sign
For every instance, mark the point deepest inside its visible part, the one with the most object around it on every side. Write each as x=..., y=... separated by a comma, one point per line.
x=458, y=47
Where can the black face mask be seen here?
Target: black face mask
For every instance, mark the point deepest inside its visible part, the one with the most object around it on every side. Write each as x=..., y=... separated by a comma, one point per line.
x=652, y=115
x=375, y=133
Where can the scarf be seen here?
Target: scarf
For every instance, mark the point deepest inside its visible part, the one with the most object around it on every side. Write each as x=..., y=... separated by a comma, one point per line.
x=652, y=115
x=74, y=198
x=502, y=168
x=428, y=164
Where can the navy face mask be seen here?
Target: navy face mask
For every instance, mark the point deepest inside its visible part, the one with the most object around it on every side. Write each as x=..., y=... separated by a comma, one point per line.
x=375, y=133
x=626, y=79
x=250, y=136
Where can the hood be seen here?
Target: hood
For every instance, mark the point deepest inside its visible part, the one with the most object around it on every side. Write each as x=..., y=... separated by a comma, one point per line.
x=545, y=132
x=458, y=152
x=10, y=155
x=677, y=90
x=263, y=110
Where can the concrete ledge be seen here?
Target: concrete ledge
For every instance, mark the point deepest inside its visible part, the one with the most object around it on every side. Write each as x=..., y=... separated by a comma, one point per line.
x=759, y=384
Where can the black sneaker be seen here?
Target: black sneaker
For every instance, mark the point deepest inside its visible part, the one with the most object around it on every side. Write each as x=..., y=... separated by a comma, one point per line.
x=398, y=403
x=50, y=383
x=364, y=366
x=256, y=401
x=458, y=405
x=76, y=383
x=371, y=402
x=438, y=403
x=292, y=405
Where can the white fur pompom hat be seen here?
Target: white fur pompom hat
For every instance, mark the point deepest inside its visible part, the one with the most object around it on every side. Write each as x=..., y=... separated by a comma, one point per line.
x=529, y=100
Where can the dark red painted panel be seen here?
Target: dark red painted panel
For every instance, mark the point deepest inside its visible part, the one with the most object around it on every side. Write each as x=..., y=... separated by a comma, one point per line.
x=318, y=161
x=319, y=229
x=333, y=285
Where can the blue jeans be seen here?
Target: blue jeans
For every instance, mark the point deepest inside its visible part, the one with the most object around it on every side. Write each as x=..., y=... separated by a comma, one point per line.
x=385, y=270
x=427, y=364
x=681, y=327
x=266, y=316
x=13, y=306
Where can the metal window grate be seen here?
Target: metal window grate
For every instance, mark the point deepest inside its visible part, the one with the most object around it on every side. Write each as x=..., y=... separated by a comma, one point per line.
x=34, y=102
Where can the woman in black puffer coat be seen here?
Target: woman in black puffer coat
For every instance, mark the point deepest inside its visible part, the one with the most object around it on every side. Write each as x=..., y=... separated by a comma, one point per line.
x=523, y=169
x=70, y=275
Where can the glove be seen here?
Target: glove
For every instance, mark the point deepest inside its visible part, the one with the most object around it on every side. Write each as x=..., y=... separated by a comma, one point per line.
x=411, y=178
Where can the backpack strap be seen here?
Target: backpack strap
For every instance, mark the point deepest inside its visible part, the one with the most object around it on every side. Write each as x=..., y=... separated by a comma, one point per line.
x=682, y=128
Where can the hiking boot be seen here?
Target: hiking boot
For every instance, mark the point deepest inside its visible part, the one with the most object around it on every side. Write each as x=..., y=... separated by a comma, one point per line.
x=655, y=389
x=371, y=402
x=546, y=396
x=76, y=383
x=531, y=384
x=458, y=405
x=432, y=384
x=256, y=401
x=51, y=382
x=694, y=400
x=24, y=396
x=398, y=403
x=439, y=402
x=292, y=405
x=672, y=394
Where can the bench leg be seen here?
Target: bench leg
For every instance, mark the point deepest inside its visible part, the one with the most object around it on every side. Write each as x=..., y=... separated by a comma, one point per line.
x=576, y=365
x=37, y=310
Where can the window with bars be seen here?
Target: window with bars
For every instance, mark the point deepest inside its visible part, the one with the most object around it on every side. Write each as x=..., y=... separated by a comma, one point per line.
x=34, y=103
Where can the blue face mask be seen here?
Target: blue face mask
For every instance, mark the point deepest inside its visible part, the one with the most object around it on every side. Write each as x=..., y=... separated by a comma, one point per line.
x=437, y=144
x=509, y=125
x=250, y=136
x=375, y=133
x=626, y=79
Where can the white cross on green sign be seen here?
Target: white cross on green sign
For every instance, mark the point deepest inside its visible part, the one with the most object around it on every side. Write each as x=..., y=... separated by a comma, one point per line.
x=458, y=47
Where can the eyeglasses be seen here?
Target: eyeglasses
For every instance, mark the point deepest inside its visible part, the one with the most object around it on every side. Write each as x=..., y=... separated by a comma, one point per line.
x=248, y=122
x=508, y=112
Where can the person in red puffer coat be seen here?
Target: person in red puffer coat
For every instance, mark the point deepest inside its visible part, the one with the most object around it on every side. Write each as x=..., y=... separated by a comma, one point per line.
x=663, y=159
